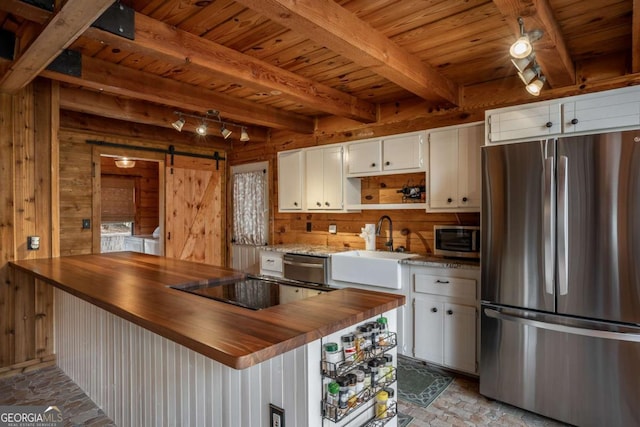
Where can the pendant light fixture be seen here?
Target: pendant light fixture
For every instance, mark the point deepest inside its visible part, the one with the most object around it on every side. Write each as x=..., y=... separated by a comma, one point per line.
x=244, y=136
x=178, y=124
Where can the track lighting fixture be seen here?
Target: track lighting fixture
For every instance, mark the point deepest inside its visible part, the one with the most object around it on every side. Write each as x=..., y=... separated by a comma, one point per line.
x=210, y=116
x=244, y=136
x=178, y=124
x=226, y=133
x=535, y=86
x=522, y=48
x=524, y=59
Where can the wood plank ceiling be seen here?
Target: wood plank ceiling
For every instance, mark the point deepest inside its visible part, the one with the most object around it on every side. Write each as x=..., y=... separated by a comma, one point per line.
x=285, y=63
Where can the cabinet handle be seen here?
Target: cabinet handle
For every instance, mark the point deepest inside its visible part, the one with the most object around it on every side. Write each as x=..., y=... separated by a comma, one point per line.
x=434, y=310
x=295, y=203
x=442, y=281
x=318, y=204
x=373, y=165
x=449, y=312
x=449, y=200
x=387, y=163
x=464, y=199
x=327, y=204
x=574, y=121
x=548, y=124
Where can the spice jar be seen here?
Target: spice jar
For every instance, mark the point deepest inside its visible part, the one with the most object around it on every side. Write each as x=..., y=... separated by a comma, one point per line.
x=343, y=397
x=388, y=365
x=367, y=377
x=333, y=399
x=332, y=357
x=381, y=404
x=349, y=347
x=374, y=365
x=351, y=389
x=382, y=336
x=375, y=333
x=360, y=380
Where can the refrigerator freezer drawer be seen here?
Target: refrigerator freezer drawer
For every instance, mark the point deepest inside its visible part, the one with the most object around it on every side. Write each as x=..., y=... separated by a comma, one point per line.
x=556, y=367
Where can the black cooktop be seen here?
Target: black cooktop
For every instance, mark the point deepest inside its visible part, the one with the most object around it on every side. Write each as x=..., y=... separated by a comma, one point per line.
x=255, y=293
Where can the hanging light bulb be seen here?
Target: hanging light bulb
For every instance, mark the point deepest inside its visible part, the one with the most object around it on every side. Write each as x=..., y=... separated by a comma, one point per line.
x=244, y=136
x=123, y=162
x=522, y=48
x=226, y=133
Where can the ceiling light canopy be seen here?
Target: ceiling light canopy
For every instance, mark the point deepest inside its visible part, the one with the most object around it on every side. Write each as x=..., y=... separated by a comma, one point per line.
x=210, y=116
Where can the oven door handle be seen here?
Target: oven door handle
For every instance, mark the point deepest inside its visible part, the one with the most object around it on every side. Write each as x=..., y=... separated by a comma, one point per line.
x=303, y=264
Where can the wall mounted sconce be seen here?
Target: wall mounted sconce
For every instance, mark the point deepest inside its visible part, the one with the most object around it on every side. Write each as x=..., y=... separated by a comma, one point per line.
x=125, y=163
x=203, y=128
x=524, y=59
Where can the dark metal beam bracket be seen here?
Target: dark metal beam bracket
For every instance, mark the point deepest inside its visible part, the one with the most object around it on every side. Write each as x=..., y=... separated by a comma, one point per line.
x=118, y=19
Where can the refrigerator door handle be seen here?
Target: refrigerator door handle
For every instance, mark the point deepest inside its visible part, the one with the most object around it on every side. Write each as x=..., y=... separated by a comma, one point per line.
x=563, y=225
x=596, y=333
x=549, y=225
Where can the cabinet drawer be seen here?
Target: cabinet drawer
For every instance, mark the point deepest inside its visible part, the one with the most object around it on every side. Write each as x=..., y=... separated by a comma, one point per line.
x=445, y=286
x=272, y=263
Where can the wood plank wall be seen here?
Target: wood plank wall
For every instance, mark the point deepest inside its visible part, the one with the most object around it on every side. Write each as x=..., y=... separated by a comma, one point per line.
x=28, y=165
x=412, y=228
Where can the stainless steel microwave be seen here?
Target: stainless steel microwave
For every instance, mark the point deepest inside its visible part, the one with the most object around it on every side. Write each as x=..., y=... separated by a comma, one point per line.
x=459, y=241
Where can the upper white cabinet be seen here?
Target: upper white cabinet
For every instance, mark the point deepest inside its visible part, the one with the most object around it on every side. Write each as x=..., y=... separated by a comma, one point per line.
x=528, y=121
x=365, y=157
x=602, y=111
x=290, y=177
x=323, y=172
x=611, y=110
x=455, y=169
x=392, y=154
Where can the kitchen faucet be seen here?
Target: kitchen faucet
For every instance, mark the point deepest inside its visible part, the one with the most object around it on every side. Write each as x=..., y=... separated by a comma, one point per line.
x=389, y=242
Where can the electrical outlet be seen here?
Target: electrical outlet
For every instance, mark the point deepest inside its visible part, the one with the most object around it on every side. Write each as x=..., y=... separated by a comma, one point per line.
x=86, y=224
x=33, y=243
x=308, y=226
x=276, y=415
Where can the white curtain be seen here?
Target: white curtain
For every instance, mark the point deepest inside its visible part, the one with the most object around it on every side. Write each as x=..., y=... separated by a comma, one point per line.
x=249, y=194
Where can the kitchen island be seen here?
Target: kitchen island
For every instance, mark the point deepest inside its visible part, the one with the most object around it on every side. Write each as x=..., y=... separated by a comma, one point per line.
x=151, y=355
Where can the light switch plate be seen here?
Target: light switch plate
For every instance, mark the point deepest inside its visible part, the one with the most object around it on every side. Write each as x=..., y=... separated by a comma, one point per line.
x=276, y=415
x=333, y=229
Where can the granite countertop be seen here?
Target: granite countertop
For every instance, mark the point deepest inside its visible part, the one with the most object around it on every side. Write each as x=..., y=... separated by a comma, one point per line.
x=428, y=260
x=135, y=287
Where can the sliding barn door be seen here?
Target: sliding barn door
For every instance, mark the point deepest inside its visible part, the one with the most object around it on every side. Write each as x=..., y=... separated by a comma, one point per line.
x=195, y=225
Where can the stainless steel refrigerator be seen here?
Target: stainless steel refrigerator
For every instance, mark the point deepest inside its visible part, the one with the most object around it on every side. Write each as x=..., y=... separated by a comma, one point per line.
x=560, y=322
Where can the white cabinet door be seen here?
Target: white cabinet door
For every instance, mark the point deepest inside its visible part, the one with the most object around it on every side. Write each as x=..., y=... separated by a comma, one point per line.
x=538, y=121
x=364, y=157
x=271, y=263
x=443, y=168
x=134, y=244
x=428, y=329
x=455, y=169
x=460, y=337
x=290, y=180
x=323, y=176
x=602, y=112
x=403, y=152
x=470, y=139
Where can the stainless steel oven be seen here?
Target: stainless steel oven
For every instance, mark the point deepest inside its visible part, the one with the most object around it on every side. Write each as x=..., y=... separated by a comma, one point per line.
x=306, y=268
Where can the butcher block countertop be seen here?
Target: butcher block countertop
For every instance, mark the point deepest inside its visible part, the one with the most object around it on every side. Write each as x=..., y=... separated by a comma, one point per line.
x=135, y=286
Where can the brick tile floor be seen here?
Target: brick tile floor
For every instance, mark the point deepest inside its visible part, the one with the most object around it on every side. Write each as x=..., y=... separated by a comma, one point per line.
x=459, y=405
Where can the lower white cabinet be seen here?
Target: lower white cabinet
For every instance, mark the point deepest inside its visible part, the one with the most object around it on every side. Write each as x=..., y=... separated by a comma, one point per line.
x=445, y=325
x=445, y=333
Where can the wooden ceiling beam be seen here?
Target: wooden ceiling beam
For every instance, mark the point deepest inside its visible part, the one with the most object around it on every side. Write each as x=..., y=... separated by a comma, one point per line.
x=551, y=50
x=635, y=38
x=133, y=110
x=117, y=80
x=158, y=40
x=62, y=29
x=341, y=31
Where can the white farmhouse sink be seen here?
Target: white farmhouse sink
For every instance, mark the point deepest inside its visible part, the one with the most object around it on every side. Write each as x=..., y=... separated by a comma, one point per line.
x=376, y=268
